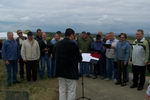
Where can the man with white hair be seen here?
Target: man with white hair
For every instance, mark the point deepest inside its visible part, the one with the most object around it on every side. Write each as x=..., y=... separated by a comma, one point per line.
x=10, y=54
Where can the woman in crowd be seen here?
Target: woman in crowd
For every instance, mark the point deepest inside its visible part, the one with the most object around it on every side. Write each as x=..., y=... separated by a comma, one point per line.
x=122, y=52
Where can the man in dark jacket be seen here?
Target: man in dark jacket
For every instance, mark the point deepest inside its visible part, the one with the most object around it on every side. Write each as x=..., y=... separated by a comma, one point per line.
x=20, y=40
x=38, y=35
x=39, y=39
x=45, y=49
x=67, y=57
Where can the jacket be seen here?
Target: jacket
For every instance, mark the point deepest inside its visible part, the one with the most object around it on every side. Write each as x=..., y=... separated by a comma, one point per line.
x=122, y=51
x=110, y=52
x=67, y=56
x=98, y=47
x=140, y=52
x=43, y=46
x=10, y=50
x=84, y=44
x=30, y=50
x=20, y=44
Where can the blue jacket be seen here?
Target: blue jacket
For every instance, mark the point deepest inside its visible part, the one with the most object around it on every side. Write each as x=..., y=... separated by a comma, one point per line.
x=10, y=50
x=122, y=51
x=98, y=47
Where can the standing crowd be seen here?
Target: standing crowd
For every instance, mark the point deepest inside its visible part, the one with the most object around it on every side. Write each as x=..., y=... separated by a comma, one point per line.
x=62, y=57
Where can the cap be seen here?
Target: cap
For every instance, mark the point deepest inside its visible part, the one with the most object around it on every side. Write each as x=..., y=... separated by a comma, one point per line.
x=30, y=34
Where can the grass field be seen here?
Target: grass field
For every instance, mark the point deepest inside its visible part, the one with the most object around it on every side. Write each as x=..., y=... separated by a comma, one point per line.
x=45, y=89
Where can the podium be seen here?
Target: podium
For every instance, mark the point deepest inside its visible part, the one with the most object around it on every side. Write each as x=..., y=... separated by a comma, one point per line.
x=87, y=58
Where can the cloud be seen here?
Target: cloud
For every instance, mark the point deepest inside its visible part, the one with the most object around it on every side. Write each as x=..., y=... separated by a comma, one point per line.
x=91, y=15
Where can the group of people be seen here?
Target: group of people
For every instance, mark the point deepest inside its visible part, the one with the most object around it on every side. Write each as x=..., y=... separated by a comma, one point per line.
x=62, y=58
x=32, y=54
x=114, y=56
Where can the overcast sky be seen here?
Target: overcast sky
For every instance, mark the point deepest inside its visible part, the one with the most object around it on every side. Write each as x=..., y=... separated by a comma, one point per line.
x=81, y=15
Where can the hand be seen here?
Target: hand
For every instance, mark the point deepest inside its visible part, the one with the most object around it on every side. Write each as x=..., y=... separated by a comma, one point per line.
x=80, y=51
x=146, y=63
x=6, y=62
x=125, y=63
x=46, y=49
x=112, y=47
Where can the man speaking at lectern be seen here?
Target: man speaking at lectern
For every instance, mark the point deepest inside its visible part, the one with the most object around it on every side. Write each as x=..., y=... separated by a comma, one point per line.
x=67, y=56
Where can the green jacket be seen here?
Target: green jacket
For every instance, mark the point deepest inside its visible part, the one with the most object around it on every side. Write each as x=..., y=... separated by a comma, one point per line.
x=84, y=44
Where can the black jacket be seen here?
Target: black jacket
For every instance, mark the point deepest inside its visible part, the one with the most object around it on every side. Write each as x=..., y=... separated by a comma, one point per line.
x=24, y=38
x=67, y=56
x=38, y=39
x=43, y=46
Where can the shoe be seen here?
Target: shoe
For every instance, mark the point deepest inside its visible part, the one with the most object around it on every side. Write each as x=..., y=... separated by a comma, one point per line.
x=118, y=83
x=102, y=78
x=133, y=86
x=94, y=77
x=140, y=88
x=88, y=76
x=16, y=82
x=106, y=79
x=123, y=84
x=9, y=84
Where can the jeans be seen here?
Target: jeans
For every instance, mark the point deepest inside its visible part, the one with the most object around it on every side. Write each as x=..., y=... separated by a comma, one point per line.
x=45, y=62
x=116, y=72
x=67, y=89
x=96, y=68
x=84, y=68
x=53, y=67
x=12, y=69
x=21, y=66
x=102, y=67
x=110, y=67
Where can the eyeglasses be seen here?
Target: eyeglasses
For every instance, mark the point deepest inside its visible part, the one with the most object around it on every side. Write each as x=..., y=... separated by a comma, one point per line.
x=122, y=37
x=20, y=33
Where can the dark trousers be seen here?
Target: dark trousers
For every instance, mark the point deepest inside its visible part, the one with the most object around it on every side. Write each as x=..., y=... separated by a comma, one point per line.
x=102, y=67
x=12, y=69
x=97, y=69
x=21, y=65
x=31, y=70
x=121, y=71
x=138, y=75
x=53, y=67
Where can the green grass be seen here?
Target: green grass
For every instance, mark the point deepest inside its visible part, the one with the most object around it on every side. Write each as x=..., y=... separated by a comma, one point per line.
x=46, y=89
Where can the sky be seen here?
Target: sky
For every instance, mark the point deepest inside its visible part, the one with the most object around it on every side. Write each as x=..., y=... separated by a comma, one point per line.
x=81, y=15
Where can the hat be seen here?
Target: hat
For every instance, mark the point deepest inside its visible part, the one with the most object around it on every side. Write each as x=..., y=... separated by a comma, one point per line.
x=27, y=31
x=30, y=34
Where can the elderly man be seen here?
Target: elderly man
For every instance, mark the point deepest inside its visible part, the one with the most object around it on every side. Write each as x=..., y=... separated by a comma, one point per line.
x=10, y=54
x=140, y=55
x=20, y=40
x=45, y=49
x=30, y=53
x=110, y=55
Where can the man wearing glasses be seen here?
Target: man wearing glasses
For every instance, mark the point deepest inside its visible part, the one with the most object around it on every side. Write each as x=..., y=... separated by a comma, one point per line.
x=20, y=40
